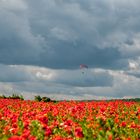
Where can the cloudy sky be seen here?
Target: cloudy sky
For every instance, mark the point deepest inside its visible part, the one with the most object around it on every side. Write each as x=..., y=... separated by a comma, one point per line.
x=43, y=43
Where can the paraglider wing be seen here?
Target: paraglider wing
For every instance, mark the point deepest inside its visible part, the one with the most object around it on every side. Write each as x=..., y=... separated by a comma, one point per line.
x=83, y=66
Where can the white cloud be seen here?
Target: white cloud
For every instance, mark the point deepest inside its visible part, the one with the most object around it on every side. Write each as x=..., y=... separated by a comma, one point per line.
x=13, y=5
x=64, y=84
x=133, y=65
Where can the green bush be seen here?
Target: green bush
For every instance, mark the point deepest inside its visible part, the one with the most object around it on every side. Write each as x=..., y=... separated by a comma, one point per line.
x=38, y=98
x=46, y=99
x=14, y=96
x=43, y=99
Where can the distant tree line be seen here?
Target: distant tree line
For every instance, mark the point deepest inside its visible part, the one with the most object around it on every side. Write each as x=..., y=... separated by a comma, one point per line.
x=43, y=99
x=127, y=100
x=38, y=98
x=133, y=99
x=14, y=96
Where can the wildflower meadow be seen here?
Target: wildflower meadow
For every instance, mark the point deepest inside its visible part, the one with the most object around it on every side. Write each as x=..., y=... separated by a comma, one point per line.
x=69, y=120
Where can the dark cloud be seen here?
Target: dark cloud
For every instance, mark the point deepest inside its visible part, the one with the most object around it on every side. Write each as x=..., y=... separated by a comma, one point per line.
x=14, y=74
x=64, y=55
x=60, y=34
x=134, y=73
x=84, y=78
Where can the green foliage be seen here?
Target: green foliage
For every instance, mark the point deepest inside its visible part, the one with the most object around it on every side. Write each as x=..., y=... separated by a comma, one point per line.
x=38, y=98
x=43, y=99
x=2, y=97
x=36, y=130
x=46, y=99
x=14, y=96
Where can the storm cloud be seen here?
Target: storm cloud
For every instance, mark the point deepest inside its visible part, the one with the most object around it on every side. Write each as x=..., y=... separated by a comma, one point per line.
x=44, y=42
x=56, y=33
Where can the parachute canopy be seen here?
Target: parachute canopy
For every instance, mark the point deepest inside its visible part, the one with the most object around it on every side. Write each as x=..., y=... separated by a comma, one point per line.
x=82, y=66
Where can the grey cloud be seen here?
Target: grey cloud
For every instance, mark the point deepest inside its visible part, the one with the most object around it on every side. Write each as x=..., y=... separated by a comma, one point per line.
x=72, y=84
x=14, y=74
x=56, y=34
x=17, y=44
x=60, y=34
x=84, y=79
x=134, y=73
x=74, y=78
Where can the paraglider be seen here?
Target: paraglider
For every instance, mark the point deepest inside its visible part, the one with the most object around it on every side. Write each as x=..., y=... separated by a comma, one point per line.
x=83, y=67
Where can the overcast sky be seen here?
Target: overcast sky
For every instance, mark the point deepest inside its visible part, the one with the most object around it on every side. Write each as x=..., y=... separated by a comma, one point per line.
x=43, y=43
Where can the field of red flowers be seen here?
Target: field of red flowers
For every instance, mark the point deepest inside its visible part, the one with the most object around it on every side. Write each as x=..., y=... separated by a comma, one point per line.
x=73, y=120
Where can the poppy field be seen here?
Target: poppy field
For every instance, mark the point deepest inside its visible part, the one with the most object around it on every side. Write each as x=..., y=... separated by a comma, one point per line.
x=69, y=120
